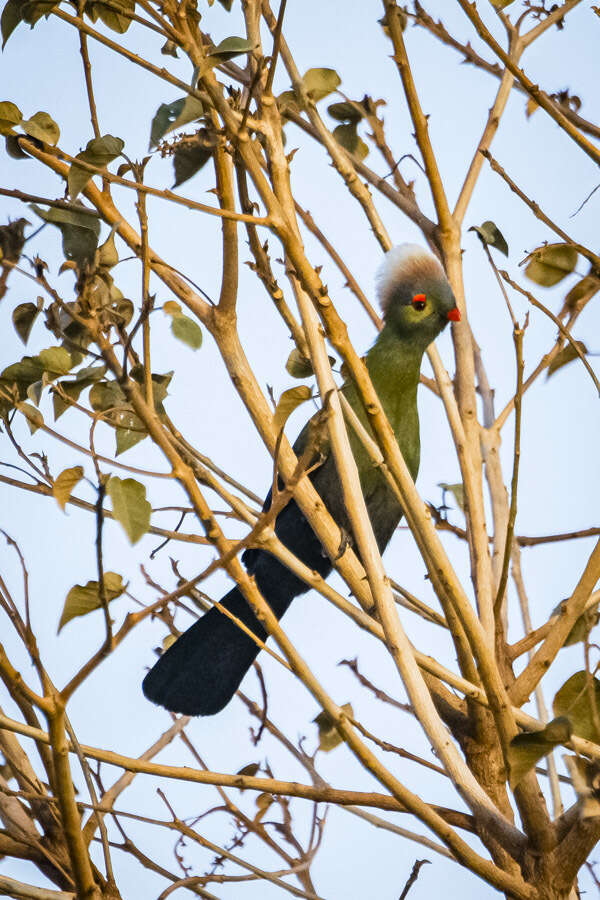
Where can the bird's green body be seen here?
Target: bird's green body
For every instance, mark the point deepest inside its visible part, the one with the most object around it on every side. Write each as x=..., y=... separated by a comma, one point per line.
x=202, y=670
x=394, y=367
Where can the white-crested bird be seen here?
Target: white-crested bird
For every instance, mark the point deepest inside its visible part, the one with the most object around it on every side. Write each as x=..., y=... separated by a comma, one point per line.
x=202, y=670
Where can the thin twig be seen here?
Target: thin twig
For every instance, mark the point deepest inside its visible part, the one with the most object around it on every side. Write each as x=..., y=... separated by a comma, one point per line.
x=565, y=333
x=518, y=332
x=276, y=46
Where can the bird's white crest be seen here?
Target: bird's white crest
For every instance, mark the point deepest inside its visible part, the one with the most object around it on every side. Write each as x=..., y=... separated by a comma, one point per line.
x=403, y=262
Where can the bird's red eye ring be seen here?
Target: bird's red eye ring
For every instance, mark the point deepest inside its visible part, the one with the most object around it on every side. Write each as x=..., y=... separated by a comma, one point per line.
x=419, y=301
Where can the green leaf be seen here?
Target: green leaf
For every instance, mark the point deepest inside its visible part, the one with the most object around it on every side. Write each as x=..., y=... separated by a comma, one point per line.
x=12, y=15
x=33, y=10
x=83, y=379
x=130, y=506
x=189, y=157
x=251, y=769
x=26, y=371
x=35, y=390
x=122, y=311
x=56, y=361
x=329, y=736
x=491, y=235
x=231, y=47
x=10, y=115
x=126, y=420
x=34, y=417
x=160, y=383
x=114, y=20
x=107, y=253
x=319, y=83
x=64, y=484
x=24, y=315
x=526, y=749
x=13, y=148
x=80, y=232
x=345, y=112
x=106, y=395
x=298, y=365
x=566, y=355
x=347, y=136
x=457, y=491
x=126, y=438
x=287, y=101
x=42, y=127
x=98, y=152
x=85, y=598
x=550, y=264
x=170, y=116
x=582, y=627
x=288, y=402
x=186, y=330
x=580, y=701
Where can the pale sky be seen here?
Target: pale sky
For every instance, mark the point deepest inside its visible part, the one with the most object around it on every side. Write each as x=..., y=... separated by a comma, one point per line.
x=558, y=487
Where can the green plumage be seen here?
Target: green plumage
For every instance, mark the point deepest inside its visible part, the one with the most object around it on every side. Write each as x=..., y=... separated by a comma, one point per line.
x=201, y=671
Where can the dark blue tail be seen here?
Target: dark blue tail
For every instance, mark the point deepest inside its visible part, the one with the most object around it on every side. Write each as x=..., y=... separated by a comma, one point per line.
x=203, y=669
x=199, y=674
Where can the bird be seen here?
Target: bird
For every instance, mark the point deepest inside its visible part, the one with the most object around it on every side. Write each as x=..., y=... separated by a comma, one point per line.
x=201, y=671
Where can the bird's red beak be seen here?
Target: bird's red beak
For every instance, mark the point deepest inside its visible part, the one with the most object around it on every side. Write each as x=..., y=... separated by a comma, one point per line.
x=454, y=314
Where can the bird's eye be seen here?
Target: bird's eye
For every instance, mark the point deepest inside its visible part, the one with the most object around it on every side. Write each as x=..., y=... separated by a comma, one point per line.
x=419, y=301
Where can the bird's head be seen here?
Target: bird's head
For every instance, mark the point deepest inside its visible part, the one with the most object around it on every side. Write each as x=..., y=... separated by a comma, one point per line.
x=415, y=296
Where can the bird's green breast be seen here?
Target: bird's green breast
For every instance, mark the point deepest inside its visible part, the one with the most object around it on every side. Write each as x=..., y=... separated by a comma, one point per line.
x=394, y=367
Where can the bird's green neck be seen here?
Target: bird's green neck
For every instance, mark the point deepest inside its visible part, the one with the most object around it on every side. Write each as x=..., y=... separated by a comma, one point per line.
x=394, y=365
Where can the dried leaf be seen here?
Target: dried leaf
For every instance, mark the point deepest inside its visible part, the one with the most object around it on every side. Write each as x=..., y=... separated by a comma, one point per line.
x=288, y=402
x=526, y=749
x=231, y=47
x=65, y=483
x=329, y=736
x=23, y=318
x=85, y=598
x=550, y=264
x=98, y=152
x=530, y=107
x=579, y=699
x=10, y=115
x=170, y=116
x=319, y=83
x=566, y=355
x=584, y=290
x=42, y=127
x=491, y=235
